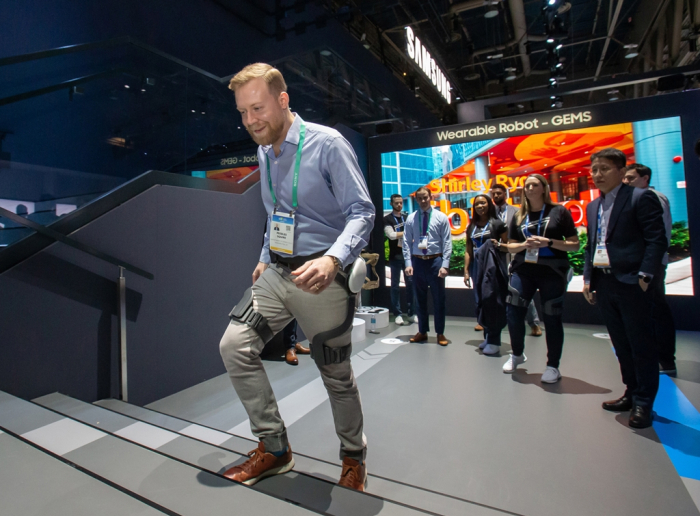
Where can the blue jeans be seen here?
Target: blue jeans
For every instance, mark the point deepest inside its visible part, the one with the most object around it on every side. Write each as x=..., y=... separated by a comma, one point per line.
x=552, y=286
x=425, y=275
x=397, y=267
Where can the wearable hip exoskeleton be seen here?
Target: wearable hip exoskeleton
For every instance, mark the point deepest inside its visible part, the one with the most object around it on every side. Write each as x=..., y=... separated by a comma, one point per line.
x=552, y=307
x=351, y=281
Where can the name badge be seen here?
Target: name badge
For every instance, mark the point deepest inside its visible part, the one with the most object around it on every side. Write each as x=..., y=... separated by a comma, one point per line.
x=423, y=244
x=531, y=255
x=600, y=258
x=282, y=233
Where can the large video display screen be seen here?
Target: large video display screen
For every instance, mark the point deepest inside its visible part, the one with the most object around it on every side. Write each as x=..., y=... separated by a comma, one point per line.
x=456, y=173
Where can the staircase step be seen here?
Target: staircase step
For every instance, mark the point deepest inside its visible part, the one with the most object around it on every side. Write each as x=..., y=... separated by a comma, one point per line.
x=179, y=488
x=388, y=489
x=35, y=482
x=319, y=494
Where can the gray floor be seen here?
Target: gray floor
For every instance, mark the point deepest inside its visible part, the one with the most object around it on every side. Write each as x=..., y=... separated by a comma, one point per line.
x=448, y=420
x=33, y=483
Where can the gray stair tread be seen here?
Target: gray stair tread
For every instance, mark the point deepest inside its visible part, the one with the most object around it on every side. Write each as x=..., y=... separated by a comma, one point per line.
x=322, y=495
x=178, y=487
x=33, y=482
x=412, y=496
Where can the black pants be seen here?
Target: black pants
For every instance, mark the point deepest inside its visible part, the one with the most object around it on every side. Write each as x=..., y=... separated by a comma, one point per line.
x=425, y=275
x=627, y=312
x=664, y=327
x=527, y=280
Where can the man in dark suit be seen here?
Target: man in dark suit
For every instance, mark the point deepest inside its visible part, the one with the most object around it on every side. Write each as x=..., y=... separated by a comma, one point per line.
x=626, y=244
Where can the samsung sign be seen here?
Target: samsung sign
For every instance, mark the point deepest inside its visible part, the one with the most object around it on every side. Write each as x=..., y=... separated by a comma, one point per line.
x=425, y=61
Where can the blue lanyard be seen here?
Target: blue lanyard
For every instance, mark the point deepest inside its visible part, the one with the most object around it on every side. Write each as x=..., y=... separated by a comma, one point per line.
x=503, y=215
x=297, y=166
x=481, y=240
x=397, y=220
x=539, y=224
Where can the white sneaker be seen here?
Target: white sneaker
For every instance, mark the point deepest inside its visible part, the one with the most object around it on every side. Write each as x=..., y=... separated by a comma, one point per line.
x=413, y=319
x=399, y=320
x=551, y=375
x=482, y=345
x=491, y=349
x=513, y=363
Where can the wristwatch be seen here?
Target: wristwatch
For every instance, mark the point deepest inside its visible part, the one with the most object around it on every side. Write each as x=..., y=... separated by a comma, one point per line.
x=550, y=243
x=645, y=277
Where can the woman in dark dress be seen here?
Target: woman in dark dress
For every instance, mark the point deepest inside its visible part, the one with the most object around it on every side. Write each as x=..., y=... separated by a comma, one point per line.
x=485, y=225
x=540, y=235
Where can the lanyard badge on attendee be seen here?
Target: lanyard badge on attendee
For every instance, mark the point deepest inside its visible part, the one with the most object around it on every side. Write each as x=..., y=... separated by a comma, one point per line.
x=481, y=237
x=601, y=258
x=281, y=223
x=423, y=242
x=531, y=255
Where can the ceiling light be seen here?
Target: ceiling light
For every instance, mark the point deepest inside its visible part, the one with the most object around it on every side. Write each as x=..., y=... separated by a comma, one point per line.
x=491, y=11
x=127, y=86
x=510, y=74
x=550, y=39
x=613, y=95
x=560, y=46
x=631, y=51
x=325, y=53
x=494, y=56
x=559, y=65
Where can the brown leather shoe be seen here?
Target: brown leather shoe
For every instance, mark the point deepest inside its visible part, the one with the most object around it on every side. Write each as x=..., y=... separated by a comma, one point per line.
x=419, y=337
x=442, y=340
x=260, y=465
x=354, y=475
x=536, y=331
x=301, y=349
x=291, y=357
x=478, y=327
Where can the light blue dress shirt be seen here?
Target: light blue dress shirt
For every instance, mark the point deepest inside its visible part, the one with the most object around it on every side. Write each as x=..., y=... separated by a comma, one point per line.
x=335, y=212
x=439, y=236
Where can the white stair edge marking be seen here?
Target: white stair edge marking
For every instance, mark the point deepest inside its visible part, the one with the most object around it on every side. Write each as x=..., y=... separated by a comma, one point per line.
x=302, y=401
x=693, y=487
x=208, y=435
x=147, y=435
x=63, y=436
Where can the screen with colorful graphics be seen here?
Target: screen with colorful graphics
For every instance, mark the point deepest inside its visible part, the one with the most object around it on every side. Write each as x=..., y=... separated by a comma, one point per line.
x=456, y=173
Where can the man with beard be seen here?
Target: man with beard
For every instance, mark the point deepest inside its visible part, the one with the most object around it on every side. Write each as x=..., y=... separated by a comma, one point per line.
x=313, y=190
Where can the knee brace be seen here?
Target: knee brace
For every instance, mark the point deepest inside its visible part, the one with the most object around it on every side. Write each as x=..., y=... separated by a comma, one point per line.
x=244, y=313
x=554, y=306
x=325, y=355
x=515, y=299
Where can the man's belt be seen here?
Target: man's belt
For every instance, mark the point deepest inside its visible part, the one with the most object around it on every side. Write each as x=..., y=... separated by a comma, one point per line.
x=426, y=256
x=294, y=262
x=604, y=270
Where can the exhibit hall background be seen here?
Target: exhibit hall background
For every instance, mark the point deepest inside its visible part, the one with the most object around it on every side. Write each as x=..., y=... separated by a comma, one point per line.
x=458, y=162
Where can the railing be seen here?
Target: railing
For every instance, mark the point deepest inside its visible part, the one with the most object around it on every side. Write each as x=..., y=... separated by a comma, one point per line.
x=43, y=236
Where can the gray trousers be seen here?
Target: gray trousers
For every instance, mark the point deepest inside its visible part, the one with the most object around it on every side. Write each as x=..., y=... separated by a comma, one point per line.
x=278, y=299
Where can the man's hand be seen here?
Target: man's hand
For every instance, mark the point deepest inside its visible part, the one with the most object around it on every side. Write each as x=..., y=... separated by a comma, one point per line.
x=315, y=275
x=408, y=271
x=467, y=281
x=590, y=296
x=643, y=284
x=442, y=273
x=259, y=269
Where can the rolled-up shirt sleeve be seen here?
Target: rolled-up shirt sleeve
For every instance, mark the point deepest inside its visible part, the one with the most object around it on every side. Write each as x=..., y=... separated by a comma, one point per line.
x=446, y=244
x=350, y=190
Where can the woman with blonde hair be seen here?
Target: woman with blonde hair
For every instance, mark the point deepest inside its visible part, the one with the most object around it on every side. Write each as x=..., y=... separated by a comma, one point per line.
x=540, y=235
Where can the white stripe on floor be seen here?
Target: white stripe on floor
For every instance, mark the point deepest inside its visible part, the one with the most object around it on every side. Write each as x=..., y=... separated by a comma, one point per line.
x=207, y=435
x=63, y=436
x=302, y=401
x=147, y=435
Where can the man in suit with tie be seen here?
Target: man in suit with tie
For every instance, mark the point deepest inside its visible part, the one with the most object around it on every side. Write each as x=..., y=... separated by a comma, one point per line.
x=626, y=245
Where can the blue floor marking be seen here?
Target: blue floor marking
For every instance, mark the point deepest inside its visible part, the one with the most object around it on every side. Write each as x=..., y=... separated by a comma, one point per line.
x=677, y=423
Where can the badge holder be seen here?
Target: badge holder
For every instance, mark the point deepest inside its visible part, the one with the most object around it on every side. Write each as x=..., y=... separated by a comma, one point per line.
x=531, y=255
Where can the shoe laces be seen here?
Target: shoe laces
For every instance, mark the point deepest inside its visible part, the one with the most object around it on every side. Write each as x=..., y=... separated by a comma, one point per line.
x=349, y=474
x=256, y=456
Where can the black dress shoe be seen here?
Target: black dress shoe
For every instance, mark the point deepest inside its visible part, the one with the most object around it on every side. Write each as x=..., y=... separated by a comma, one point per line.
x=641, y=417
x=619, y=405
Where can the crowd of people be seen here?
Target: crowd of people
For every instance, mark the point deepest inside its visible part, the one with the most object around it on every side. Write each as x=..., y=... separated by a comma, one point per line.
x=512, y=253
